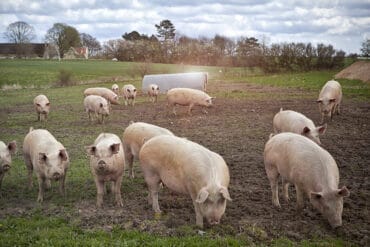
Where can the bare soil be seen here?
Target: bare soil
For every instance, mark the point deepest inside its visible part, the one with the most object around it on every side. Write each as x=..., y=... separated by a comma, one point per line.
x=359, y=70
x=238, y=129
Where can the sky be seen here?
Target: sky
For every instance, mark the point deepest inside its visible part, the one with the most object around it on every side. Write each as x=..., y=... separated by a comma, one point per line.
x=345, y=24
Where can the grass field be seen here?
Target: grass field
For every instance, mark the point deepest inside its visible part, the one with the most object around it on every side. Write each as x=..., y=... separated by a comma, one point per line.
x=38, y=226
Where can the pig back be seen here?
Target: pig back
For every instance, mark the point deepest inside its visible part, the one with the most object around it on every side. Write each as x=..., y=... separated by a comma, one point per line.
x=331, y=89
x=301, y=161
x=182, y=164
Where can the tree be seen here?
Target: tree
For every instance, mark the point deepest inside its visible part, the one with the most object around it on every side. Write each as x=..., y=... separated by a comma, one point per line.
x=63, y=36
x=134, y=35
x=166, y=30
x=91, y=43
x=20, y=33
x=365, y=48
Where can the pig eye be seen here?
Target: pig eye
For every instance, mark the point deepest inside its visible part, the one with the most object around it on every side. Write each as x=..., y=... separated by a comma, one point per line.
x=38, y=104
x=47, y=104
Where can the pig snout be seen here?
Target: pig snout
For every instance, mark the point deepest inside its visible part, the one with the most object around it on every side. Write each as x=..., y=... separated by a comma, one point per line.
x=44, y=112
x=101, y=165
x=6, y=167
x=335, y=222
x=214, y=221
x=56, y=175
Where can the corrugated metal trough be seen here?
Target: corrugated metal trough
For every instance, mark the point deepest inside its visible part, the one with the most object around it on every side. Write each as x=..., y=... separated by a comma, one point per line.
x=196, y=80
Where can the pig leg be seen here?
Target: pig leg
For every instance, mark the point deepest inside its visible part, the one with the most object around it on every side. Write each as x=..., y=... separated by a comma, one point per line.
x=117, y=191
x=41, y=181
x=338, y=109
x=27, y=160
x=133, y=102
x=62, y=189
x=299, y=198
x=273, y=176
x=153, y=181
x=286, y=189
x=130, y=161
x=198, y=214
x=174, y=110
x=100, y=192
x=190, y=108
x=1, y=178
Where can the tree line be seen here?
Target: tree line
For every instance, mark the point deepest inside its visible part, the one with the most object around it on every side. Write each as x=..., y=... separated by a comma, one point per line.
x=167, y=46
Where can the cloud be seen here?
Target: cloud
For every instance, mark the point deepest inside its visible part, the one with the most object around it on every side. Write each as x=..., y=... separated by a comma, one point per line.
x=342, y=22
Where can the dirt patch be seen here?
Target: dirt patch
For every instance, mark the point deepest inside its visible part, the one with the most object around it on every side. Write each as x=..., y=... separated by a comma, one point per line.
x=357, y=71
x=238, y=129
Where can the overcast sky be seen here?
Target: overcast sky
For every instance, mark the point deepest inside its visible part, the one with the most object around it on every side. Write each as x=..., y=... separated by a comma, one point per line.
x=343, y=23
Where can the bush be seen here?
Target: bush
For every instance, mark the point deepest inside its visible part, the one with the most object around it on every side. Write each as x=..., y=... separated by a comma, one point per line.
x=65, y=78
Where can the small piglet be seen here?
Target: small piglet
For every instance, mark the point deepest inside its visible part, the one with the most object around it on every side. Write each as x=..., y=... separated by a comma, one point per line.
x=129, y=94
x=330, y=99
x=292, y=121
x=48, y=157
x=188, y=97
x=153, y=91
x=42, y=107
x=106, y=93
x=311, y=169
x=189, y=168
x=107, y=163
x=6, y=152
x=134, y=137
x=97, y=105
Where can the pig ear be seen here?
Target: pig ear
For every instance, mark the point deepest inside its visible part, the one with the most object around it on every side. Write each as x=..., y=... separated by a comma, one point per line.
x=322, y=129
x=63, y=155
x=42, y=158
x=91, y=150
x=202, y=196
x=319, y=101
x=47, y=104
x=343, y=192
x=134, y=89
x=316, y=195
x=38, y=104
x=12, y=147
x=128, y=90
x=225, y=193
x=152, y=88
x=332, y=100
x=114, y=148
x=305, y=130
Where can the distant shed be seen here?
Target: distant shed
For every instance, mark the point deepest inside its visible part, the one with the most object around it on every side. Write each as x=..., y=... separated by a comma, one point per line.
x=196, y=80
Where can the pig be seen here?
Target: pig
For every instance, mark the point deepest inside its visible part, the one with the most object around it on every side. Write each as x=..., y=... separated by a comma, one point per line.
x=48, y=157
x=42, y=107
x=153, y=91
x=188, y=97
x=106, y=93
x=292, y=121
x=107, y=163
x=133, y=138
x=97, y=105
x=129, y=94
x=312, y=170
x=115, y=89
x=186, y=167
x=330, y=99
x=6, y=153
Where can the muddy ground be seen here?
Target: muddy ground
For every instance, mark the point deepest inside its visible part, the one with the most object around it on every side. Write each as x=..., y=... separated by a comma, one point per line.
x=237, y=129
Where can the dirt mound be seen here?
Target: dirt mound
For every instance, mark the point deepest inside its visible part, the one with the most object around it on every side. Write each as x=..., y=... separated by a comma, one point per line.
x=359, y=71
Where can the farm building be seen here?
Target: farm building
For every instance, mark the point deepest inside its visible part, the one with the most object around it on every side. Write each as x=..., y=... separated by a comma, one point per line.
x=196, y=80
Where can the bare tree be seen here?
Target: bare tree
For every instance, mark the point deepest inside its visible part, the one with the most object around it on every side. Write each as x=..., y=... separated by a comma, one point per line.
x=90, y=42
x=365, y=48
x=20, y=33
